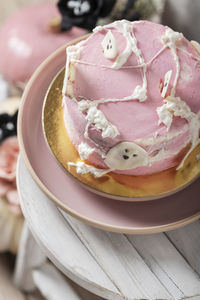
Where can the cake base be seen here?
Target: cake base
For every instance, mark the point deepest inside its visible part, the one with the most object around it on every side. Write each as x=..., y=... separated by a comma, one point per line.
x=111, y=185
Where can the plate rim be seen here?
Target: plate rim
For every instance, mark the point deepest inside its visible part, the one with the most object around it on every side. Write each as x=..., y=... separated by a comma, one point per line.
x=73, y=213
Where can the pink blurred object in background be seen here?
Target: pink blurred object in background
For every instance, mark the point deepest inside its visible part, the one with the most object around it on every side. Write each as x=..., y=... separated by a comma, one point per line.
x=26, y=40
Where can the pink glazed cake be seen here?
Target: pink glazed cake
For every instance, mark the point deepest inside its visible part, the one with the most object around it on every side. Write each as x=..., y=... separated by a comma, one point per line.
x=131, y=99
x=26, y=40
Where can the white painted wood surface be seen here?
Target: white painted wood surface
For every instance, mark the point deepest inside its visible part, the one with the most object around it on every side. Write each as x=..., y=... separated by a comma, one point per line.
x=33, y=271
x=29, y=257
x=114, y=266
x=52, y=284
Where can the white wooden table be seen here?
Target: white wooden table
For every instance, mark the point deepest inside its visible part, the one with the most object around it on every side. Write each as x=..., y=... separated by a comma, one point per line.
x=113, y=266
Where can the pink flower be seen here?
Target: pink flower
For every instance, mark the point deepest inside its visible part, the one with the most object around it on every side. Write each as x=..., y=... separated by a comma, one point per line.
x=9, y=151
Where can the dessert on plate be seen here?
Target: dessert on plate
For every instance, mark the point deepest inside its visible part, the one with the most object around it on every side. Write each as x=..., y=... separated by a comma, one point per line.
x=131, y=99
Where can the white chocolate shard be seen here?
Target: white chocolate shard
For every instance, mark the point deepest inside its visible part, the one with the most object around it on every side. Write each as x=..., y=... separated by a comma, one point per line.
x=167, y=78
x=109, y=45
x=196, y=46
x=83, y=168
x=126, y=156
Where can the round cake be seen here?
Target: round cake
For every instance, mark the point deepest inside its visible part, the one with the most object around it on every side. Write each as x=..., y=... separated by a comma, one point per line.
x=131, y=99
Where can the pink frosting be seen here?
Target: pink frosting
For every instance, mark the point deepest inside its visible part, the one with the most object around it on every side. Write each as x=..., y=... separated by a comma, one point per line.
x=133, y=119
x=25, y=41
x=9, y=151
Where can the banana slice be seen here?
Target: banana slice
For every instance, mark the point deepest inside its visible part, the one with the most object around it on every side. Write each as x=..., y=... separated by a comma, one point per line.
x=126, y=156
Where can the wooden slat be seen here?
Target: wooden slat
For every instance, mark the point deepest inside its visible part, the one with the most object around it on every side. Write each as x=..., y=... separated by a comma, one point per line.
x=53, y=285
x=187, y=241
x=193, y=298
x=121, y=262
x=168, y=265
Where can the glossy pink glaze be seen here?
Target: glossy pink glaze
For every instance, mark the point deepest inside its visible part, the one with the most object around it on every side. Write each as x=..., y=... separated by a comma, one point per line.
x=133, y=119
x=25, y=41
x=129, y=217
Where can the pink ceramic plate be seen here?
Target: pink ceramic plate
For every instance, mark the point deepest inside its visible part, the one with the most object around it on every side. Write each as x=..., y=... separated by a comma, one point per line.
x=127, y=217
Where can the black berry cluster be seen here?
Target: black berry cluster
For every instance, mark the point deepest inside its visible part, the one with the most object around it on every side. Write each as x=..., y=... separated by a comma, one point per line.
x=8, y=125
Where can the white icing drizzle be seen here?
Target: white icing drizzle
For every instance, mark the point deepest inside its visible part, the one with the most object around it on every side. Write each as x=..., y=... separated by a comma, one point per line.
x=188, y=54
x=96, y=117
x=83, y=168
x=174, y=106
x=73, y=53
x=162, y=154
x=123, y=67
x=171, y=38
x=159, y=139
x=137, y=66
x=85, y=150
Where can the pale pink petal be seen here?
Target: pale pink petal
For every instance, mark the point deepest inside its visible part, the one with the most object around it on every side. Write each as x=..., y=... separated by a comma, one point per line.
x=12, y=197
x=4, y=187
x=6, y=175
x=9, y=151
x=15, y=209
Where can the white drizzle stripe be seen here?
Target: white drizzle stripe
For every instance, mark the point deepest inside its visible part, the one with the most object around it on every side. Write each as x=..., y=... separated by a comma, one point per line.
x=137, y=66
x=83, y=106
x=83, y=168
x=163, y=155
x=174, y=106
x=86, y=135
x=96, y=117
x=66, y=74
x=169, y=136
x=72, y=52
x=123, y=67
x=85, y=150
x=171, y=38
x=125, y=28
x=188, y=54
